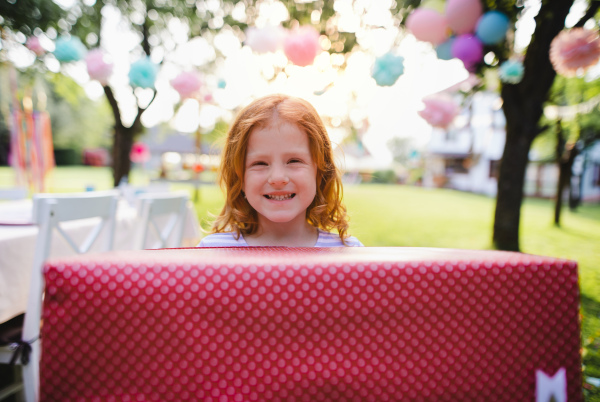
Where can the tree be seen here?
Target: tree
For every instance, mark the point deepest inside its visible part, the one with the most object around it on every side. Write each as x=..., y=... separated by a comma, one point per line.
x=150, y=19
x=523, y=108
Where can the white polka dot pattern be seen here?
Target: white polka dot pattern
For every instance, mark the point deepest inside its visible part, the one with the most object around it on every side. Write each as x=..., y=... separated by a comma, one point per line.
x=274, y=324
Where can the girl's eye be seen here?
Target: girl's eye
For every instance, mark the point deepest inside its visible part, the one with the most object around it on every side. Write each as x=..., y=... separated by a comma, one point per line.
x=259, y=164
x=295, y=161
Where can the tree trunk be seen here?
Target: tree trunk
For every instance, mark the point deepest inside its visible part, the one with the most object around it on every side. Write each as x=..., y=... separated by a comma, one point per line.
x=122, y=143
x=562, y=174
x=522, y=107
x=123, y=138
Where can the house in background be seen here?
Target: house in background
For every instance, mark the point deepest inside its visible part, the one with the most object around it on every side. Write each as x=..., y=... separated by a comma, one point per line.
x=467, y=157
x=588, y=165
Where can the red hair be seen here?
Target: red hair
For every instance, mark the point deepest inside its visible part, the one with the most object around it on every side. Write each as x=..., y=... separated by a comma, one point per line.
x=325, y=212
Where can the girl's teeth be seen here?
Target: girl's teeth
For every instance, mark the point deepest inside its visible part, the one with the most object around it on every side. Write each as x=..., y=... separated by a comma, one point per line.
x=280, y=197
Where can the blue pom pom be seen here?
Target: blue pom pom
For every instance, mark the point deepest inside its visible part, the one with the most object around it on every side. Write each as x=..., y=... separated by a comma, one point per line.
x=221, y=84
x=491, y=27
x=69, y=49
x=143, y=73
x=511, y=71
x=444, y=50
x=387, y=69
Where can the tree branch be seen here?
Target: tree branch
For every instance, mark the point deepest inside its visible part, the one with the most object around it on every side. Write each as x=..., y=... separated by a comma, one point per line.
x=113, y=104
x=590, y=13
x=138, y=118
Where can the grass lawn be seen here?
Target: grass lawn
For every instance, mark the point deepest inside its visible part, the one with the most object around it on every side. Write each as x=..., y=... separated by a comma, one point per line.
x=402, y=216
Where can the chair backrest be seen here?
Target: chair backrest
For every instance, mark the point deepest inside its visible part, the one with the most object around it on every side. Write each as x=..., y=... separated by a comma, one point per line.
x=161, y=220
x=49, y=211
x=13, y=193
x=131, y=193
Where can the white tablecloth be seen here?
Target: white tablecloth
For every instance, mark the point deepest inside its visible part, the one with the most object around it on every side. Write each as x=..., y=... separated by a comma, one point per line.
x=17, y=246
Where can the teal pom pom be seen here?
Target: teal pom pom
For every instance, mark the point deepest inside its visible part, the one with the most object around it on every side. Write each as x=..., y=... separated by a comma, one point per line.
x=387, y=69
x=444, y=50
x=511, y=71
x=143, y=73
x=69, y=49
x=221, y=84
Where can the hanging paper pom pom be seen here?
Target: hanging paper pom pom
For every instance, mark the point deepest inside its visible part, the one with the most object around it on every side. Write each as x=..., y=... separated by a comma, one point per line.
x=574, y=49
x=444, y=50
x=98, y=67
x=143, y=73
x=69, y=49
x=511, y=71
x=428, y=25
x=387, y=69
x=463, y=15
x=491, y=27
x=140, y=152
x=187, y=84
x=440, y=110
x=266, y=39
x=469, y=49
x=221, y=84
x=33, y=44
x=302, y=45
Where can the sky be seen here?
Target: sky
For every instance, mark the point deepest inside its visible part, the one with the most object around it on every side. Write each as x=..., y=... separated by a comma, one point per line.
x=378, y=113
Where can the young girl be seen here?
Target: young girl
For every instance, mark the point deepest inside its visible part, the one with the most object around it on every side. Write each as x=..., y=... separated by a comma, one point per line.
x=282, y=187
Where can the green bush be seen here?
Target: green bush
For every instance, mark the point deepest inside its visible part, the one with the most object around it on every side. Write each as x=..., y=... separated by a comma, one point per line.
x=66, y=157
x=384, y=177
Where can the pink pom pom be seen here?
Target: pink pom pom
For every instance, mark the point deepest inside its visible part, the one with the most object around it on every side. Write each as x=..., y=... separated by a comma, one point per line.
x=266, y=39
x=428, y=25
x=302, y=45
x=98, y=67
x=575, y=49
x=186, y=84
x=440, y=110
x=33, y=44
x=463, y=15
x=140, y=152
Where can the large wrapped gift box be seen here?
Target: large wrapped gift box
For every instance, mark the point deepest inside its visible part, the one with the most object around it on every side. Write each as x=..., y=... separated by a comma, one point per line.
x=368, y=324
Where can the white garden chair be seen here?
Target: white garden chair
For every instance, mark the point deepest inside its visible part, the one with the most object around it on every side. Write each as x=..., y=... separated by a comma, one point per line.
x=161, y=220
x=49, y=212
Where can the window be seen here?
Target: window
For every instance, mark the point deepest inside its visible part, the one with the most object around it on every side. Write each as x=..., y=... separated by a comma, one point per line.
x=457, y=165
x=596, y=174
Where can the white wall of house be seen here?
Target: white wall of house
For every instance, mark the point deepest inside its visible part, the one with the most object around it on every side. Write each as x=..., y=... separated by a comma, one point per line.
x=591, y=174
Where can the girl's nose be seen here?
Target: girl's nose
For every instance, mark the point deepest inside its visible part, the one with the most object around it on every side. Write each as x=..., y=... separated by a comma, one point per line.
x=278, y=177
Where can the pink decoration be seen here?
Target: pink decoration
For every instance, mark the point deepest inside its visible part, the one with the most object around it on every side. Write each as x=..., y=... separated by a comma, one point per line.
x=428, y=25
x=440, y=110
x=463, y=15
x=208, y=98
x=98, y=67
x=266, y=39
x=302, y=45
x=33, y=44
x=469, y=49
x=186, y=84
x=574, y=49
x=140, y=153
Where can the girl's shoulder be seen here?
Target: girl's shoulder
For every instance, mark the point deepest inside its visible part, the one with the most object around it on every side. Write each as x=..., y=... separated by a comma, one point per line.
x=226, y=239
x=328, y=239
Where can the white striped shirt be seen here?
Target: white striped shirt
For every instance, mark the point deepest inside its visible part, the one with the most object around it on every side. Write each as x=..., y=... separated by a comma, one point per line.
x=326, y=239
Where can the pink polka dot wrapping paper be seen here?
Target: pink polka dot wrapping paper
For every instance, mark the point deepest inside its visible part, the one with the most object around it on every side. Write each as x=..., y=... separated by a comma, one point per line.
x=295, y=324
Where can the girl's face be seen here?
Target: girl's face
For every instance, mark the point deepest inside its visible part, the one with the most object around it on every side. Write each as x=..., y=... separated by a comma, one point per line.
x=280, y=181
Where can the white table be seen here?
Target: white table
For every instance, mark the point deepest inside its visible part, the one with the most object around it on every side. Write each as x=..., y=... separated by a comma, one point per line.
x=18, y=238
